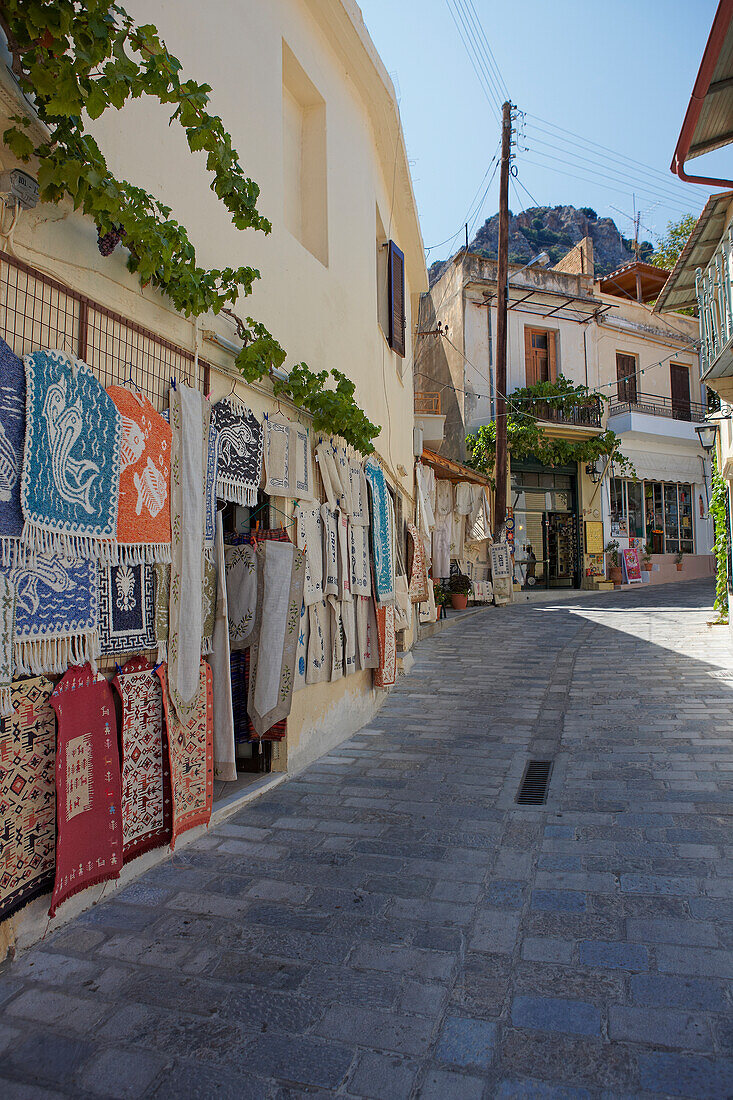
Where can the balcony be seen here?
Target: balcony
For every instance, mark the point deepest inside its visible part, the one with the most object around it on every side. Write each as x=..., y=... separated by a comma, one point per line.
x=428, y=418
x=653, y=405
x=589, y=414
x=715, y=305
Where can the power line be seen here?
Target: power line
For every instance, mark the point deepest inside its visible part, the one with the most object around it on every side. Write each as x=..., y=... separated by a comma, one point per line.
x=490, y=95
x=468, y=214
x=488, y=52
x=478, y=51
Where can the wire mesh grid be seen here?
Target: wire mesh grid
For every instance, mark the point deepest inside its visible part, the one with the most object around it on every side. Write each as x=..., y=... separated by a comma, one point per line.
x=36, y=311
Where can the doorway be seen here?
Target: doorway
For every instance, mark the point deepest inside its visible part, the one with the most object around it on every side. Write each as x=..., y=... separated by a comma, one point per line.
x=561, y=540
x=546, y=542
x=680, y=389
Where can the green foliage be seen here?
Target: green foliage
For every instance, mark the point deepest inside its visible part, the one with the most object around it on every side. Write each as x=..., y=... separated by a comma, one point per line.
x=589, y=213
x=526, y=437
x=718, y=510
x=671, y=243
x=460, y=584
x=612, y=548
x=77, y=59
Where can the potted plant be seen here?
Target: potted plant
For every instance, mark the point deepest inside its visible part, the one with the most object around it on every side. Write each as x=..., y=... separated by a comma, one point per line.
x=678, y=561
x=615, y=573
x=460, y=588
x=646, y=561
x=441, y=597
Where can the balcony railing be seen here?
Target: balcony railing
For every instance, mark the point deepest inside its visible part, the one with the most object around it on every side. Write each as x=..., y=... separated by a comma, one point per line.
x=586, y=415
x=715, y=302
x=427, y=403
x=654, y=405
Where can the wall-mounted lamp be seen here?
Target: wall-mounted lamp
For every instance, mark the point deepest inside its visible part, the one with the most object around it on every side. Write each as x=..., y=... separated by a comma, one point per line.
x=706, y=433
x=591, y=468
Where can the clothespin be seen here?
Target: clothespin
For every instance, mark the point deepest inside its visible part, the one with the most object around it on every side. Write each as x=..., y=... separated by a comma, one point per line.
x=173, y=384
x=117, y=666
x=155, y=668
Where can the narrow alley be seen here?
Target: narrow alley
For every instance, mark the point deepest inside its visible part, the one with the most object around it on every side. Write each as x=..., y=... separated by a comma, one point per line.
x=390, y=923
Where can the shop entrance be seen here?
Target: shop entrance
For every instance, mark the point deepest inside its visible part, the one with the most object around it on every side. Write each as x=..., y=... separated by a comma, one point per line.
x=546, y=541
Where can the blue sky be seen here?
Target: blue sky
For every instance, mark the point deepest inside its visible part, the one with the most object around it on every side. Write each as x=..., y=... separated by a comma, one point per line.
x=618, y=74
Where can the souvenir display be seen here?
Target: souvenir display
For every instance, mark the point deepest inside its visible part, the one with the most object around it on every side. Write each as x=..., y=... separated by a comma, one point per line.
x=126, y=609
x=191, y=754
x=382, y=532
x=239, y=455
x=225, y=762
x=12, y=438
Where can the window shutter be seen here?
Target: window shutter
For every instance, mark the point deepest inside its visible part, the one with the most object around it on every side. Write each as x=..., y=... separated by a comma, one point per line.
x=551, y=356
x=396, y=299
x=529, y=360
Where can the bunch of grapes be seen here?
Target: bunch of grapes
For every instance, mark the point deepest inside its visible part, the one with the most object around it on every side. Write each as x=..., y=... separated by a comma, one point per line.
x=107, y=242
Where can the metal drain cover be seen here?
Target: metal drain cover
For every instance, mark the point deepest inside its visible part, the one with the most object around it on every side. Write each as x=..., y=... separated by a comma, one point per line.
x=535, y=782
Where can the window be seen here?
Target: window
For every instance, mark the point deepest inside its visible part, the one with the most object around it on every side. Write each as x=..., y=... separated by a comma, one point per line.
x=658, y=512
x=626, y=372
x=396, y=296
x=304, y=158
x=540, y=355
x=679, y=378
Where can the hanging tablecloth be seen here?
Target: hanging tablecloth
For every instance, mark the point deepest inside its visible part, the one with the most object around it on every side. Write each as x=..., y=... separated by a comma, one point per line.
x=330, y=551
x=366, y=633
x=301, y=657
x=318, y=665
x=189, y=425
x=225, y=763
x=27, y=796
x=310, y=541
x=359, y=498
x=239, y=455
x=146, y=785
x=12, y=438
x=144, y=513
x=88, y=788
x=191, y=754
x=361, y=577
x=71, y=466
x=241, y=581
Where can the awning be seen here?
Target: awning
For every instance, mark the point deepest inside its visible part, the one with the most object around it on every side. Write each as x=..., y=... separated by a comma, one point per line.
x=449, y=470
x=655, y=466
x=679, y=290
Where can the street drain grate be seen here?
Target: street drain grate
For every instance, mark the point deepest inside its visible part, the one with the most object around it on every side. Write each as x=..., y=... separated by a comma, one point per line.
x=535, y=781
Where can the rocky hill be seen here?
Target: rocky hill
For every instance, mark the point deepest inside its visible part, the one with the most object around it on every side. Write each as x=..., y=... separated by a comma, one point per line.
x=555, y=229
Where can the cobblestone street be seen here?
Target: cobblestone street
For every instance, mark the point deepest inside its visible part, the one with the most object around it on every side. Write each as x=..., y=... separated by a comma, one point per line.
x=390, y=924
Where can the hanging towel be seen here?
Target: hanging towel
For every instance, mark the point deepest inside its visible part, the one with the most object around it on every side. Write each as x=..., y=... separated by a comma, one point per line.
x=310, y=541
x=366, y=632
x=443, y=499
x=386, y=673
x=300, y=445
x=464, y=498
x=211, y=449
x=71, y=466
x=208, y=606
x=144, y=514
x=12, y=437
x=382, y=532
x=344, y=476
x=239, y=457
x=359, y=500
x=301, y=659
x=7, y=641
x=280, y=578
x=318, y=665
x=27, y=796
x=56, y=614
x=225, y=764
x=188, y=498
x=402, y=605
x=162, y=574
x=428, y=610
x=344, y=569
x=441, y=545
x=330, y=551
x=241, y=580
x=146, y=783
x=361, y=578
x=348, y=620
x=278, y=458
x=425, y=508
x=337, y=638
x=419, y=575
x=329, y=474
x=88, y=788
x=191, y=754
x=126, y=609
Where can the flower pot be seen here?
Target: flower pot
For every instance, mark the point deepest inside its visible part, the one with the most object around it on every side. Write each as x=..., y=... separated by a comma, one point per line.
x=615, y=574
x=679, y=566
x=459, y=601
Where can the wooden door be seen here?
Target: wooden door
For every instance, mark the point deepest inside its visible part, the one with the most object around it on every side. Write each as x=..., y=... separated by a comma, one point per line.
x=540, y=356
x=626, y=376
x=680, y=385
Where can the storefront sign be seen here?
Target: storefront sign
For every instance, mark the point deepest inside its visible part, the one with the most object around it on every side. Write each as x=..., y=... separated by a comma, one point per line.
x=501, y=562
x=593, y=536
x=632, y=565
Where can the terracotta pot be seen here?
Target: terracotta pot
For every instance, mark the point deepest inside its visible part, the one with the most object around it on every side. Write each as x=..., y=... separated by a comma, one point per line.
x=615, y=574
x=458, y=601
x=679, y=566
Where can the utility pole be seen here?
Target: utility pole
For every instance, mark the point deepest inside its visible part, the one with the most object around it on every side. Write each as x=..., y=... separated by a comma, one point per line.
x=502, y=269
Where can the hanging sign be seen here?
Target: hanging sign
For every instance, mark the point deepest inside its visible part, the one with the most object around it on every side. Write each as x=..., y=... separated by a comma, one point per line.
x=593, y=536
x=632, y=565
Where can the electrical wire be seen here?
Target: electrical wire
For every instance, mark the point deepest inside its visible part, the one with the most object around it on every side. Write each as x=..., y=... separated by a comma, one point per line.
x=490, y=97
x=432, y=247
x=489, y=50
x=588, y=179
x=479, y=51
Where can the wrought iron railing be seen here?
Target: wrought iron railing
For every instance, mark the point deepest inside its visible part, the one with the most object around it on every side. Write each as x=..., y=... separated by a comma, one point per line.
x=586, y=414
x=427, y=403
x=654, y=405
x=715, y=302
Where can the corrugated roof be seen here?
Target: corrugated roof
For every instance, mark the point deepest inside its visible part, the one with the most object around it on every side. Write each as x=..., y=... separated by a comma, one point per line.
x=679, y=290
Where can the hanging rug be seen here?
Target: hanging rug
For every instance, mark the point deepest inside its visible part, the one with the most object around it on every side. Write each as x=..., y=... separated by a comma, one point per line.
x=211, y=450
x=386, y=673
x=190, y=747
x=7, y=640
x=147, y=809
x=382, y=532
x=27, y=796
x=162, y=573
x=126, y=609
x=144, y=513
x=56, y=614
x=208, y=606
x=12, y=438
x=419, y=574
x=71, y=465
x=239, y=458
x=89, y=848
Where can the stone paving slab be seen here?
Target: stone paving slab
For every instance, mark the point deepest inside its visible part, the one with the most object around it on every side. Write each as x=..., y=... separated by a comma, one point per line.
x=390, y=924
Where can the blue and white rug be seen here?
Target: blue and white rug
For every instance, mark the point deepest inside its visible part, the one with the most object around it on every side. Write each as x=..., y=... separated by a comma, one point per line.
x=382, y=532
x=126, y=609
x=12, y=436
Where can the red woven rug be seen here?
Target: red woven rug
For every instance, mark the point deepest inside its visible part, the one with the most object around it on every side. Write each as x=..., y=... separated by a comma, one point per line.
x=191, y=755
x=386, y=674
x=27, y=796
x=89, y=848
x=147, y=809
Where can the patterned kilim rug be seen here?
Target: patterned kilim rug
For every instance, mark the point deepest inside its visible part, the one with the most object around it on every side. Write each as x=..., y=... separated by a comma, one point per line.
x=147, y=808
x=27, y=796
x=87, y=785
x=382, y=533
x=280, y=577
x=239, y=458
x=386, y=674
x=12, y=437
x=419, y=574
x=7, y=639
x=71, y=465
x=126, y=609
x=144, y=517
x=56, y=614
x=191, y=755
